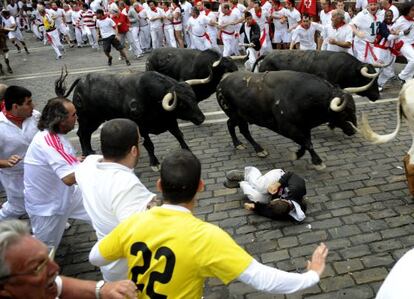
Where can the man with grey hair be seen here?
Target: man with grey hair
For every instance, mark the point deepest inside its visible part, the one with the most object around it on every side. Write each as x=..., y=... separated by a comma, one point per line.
x=339, y=34
x=27, y=271
x=51, y=196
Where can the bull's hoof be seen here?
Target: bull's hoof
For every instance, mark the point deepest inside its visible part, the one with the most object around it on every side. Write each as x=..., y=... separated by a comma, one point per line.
x=262, y=154
x=241, y=146
x=293, y=156
x=156, y=168
x=319, y=167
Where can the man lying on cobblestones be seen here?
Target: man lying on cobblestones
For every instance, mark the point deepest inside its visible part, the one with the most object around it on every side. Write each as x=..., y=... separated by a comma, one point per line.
x=170, y=252
x=111, y=191
x=18, y=125
x=51, y=196
x=277, y=194
x=27, y=271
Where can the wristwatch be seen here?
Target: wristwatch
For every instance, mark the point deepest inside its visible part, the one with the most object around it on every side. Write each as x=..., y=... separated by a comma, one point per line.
x=98, y=288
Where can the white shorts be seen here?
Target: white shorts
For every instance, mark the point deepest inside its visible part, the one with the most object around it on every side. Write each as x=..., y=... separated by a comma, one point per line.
x=178, y=27
x=280, y=37
x=16, y=35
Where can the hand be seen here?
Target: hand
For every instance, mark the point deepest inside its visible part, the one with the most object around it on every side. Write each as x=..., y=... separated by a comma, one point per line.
x=249, y=206
x=360, y=34
x=332, y=41
x=273, y=188
x=13, y=160
x=119, y=290
x=317, y=263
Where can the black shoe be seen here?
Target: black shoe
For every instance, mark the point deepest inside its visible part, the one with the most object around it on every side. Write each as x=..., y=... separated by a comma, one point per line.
x=235, y=175
x=127, y=62
x=110, y=60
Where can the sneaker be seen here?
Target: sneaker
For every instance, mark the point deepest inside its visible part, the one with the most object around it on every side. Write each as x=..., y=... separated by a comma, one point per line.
x=58, y=57
x=139, y=56
x=110, y=60
x=235, y=175
x=127, y=62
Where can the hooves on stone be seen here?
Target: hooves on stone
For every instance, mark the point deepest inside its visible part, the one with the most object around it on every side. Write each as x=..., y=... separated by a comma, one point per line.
x=293, y=156
x=319, y=167
x=156, y=168
x=241, y=146
x=262, y=154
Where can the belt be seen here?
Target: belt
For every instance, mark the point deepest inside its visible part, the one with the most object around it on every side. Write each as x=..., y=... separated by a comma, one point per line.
x=176, y=23
x=68, y=22
x=229, y=33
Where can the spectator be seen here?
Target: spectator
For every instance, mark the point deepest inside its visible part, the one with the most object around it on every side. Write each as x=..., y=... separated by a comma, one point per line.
x=339, y=34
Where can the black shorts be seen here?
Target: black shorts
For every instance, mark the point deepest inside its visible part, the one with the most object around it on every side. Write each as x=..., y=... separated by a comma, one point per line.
x=111, y=41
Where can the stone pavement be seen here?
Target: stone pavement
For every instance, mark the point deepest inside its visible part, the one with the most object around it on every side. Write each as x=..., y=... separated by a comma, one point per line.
x=359, y=205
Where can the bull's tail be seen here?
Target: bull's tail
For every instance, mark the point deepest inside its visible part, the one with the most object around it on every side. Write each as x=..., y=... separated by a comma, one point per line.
x=257, y=61
x=366, y=131
x=60, y=86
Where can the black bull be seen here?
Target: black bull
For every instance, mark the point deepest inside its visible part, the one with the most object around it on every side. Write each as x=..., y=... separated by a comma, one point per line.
x=286, y=102
x=340, y=69
x=154, y=101
x=190, y=64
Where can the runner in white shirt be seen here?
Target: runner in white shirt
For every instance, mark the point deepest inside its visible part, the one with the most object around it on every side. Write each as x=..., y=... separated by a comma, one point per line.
x=111, y=191
x=339, y=34
x=15, y=35
x=177, y=23
x=387, y=5
x=365, y=26
x=18, y=125
x=304, y=34
x=51, y=197
x=212, y=24
x=197, y=27
x=13, y=8
x=340, y=5
x=76, y=21
x=404, y=27
x=293, y=18
x=260, y=16
x=155, y=16
x=227, y=27
x=58, y=15
x=186, y=14
x=68, y=20
x=144, y=28
x=325, y=16
x=168, y=26
x=278, y=15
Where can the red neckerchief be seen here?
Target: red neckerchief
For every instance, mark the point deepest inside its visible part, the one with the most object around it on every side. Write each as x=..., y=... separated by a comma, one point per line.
x=166, y=9
x=258, y=13
x=207, y=11
x=154, y=9
x=230, y=11
x=262, y=2
x=13, y=118
x=252, y=23
x=340, y=25
x=301, y=25
x=329, y=9
x=409, y=19
x=279, y=7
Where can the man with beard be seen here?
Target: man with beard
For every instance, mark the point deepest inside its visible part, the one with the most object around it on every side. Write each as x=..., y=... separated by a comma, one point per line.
x=304, y=34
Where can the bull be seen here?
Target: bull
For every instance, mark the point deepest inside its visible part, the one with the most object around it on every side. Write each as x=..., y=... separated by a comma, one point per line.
x=193, y=66
x=286, y=102
x=339, y=68
x=154, y=101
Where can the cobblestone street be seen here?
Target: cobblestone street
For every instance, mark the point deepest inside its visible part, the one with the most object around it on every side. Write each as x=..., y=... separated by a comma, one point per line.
x=359, y=205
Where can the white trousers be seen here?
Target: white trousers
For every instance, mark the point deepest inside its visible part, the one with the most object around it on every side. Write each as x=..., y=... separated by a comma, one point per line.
x=230, y=45
x=407, y=51
x=72, y=35
x=13, y=185
x=36, y=31
x=133, y=42
x=135, y=36
x=50, y=229
x=157, y=37
x=201, y=43
x=364, y=51
x=145, y=37
x=92, y=37
x=251, y=59
x=213, y=38
x=54, y=40
x=385, y=56
x=187, y=38
x=169, y=36
x=255, y=184
x=78, y=35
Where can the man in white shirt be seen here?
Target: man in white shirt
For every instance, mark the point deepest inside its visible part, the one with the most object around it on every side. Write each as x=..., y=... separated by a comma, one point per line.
x=339, y=34
x=111, y=191
x=227, y=25
x=186, y=14
x=197, y=27
x=364, y=26
x=155, y=16
x=51, y=197
x=15, y=35
x=278, y=15
x=325, y=16
x=304, y=34
x=18, y=125
x=293, y=18
x=340, y=5
x=58, y=15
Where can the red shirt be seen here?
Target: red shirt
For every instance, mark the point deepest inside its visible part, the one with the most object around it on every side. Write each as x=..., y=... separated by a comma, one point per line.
x=122, y=22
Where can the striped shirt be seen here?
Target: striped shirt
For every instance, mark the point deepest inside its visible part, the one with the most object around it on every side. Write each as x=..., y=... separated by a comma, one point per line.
x=88, y=18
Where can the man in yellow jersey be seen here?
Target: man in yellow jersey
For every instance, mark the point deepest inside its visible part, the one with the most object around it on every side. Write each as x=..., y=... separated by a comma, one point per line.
x=52, y=34
x=170, y=252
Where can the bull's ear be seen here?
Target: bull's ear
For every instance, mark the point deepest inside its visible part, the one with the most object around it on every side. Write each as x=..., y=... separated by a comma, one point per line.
x=133, y=105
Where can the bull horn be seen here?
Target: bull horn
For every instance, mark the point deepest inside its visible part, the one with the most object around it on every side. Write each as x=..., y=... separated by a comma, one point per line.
x=335, y=104
x=216, y=63
x=359, y=89
x=199, y=81
x=166, y=101
x=364, y=72
x=240, y=57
